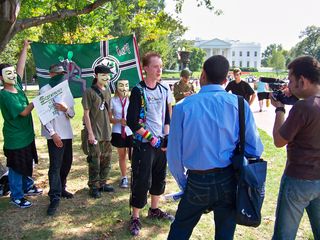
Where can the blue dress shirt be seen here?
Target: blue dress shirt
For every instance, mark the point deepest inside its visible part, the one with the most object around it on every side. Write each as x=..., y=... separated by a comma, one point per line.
x=204, y=132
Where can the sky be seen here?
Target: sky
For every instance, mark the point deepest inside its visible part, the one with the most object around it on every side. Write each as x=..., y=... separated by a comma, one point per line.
x=262, y=21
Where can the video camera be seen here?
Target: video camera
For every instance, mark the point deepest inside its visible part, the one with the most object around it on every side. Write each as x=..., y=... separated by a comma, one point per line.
x=277, y=86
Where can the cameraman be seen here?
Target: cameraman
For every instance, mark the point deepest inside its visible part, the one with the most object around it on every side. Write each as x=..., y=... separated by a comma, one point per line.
x=300, y=184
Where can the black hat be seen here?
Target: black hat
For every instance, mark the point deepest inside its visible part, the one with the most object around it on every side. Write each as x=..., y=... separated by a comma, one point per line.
x=102, y=69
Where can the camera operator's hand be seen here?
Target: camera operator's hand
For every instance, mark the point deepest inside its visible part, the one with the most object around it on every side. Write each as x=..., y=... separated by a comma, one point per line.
x=274, y=102
x=287, y=91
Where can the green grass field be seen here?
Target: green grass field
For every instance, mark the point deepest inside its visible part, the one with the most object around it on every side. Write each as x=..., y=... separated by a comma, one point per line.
x=107, y=217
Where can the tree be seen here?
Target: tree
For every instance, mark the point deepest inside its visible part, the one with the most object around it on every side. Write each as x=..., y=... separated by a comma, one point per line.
x=310, y=44
x=197, y=56
x=208, y=4
x=11, y=24
x=267, y=54
x=154, y=29
x=277, y=60
x=17, y=15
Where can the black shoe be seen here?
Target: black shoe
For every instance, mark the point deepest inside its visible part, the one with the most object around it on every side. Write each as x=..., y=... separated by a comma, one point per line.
x=134, y=226
x=157, y=213
x=66, y=194
x=54, y=204
x=106, y=188
x=95, y=193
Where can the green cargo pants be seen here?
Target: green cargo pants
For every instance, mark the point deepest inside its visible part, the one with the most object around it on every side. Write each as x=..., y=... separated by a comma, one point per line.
x=99, y=160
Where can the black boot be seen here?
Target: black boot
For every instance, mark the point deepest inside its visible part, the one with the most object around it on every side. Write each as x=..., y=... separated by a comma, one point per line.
x=54, y=204
x=66, y=194
x=106, y=188
x=95, y=193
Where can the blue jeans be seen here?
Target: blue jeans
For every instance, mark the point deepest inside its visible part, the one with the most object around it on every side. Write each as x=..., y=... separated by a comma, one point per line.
x=295, y=195
x=18, y=184
x=212, y=191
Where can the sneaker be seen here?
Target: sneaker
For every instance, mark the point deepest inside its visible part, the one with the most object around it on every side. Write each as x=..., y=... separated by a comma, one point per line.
x=124, y=182
x=106, y=188
x=66, y=194
x=95, y=193
x=158, y=214
x=54, y=204
x=21, y=203
x=33, y=191
x=134, y=226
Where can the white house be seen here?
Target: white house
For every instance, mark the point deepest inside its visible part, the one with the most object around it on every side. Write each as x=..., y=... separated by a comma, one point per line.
x=239, y=54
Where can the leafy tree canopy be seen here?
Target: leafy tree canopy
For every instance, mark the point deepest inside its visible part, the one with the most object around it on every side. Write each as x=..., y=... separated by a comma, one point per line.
x=277, y=60
x=75, y=21
x=310, y=43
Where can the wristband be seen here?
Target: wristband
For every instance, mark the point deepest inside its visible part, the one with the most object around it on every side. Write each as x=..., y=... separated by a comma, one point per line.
x=147, y=135
x=155, y=142
x=280, y=109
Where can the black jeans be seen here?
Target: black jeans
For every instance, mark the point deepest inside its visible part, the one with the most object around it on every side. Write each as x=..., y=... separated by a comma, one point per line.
x=60, y=165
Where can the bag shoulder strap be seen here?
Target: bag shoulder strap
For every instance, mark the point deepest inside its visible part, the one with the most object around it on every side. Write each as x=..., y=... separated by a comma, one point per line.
x=242, y=127
x=96, y=89
x=98, y=92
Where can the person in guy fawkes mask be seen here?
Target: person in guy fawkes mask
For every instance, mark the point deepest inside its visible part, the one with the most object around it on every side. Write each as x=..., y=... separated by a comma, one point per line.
x=121, y=133
x=18, y=133
x=96, y=105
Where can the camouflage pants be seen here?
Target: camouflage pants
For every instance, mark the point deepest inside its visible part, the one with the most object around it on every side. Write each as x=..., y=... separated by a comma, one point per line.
x=99, y=160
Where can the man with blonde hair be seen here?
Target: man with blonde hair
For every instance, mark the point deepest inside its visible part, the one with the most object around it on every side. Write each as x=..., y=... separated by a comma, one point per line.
x=240, y=87
x=148, y=117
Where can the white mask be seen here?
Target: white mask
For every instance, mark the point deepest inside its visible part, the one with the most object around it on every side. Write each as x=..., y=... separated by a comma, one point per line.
x=123, y=88
x=9, y=75
x=103, y=78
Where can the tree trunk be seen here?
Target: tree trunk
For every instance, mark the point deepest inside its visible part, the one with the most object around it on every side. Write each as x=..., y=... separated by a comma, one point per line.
x=9, y=25
x=9, y=10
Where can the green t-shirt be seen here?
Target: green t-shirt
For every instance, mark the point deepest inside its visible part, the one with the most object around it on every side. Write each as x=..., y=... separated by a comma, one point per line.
x=17, y=130
x=100, y=122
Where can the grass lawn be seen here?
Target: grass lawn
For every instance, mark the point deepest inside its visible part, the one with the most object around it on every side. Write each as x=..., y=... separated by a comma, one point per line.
x=107, y=217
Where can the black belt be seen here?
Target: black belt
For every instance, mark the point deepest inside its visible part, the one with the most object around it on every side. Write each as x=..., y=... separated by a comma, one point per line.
x=212, y=170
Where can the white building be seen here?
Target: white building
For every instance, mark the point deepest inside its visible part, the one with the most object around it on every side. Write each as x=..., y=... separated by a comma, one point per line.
x=239, y=54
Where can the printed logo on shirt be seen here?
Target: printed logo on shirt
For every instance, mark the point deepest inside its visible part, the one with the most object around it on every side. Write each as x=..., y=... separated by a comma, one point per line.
x=153, y=99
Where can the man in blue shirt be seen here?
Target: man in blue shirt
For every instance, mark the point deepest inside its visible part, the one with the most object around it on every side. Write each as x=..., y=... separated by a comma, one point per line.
x=204, y=132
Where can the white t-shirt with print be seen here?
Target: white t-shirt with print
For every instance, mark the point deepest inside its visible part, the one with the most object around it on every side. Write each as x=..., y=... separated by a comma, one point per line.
x=170, y=95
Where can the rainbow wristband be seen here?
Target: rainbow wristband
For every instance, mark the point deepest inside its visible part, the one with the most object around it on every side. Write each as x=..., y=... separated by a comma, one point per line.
x=147, y=135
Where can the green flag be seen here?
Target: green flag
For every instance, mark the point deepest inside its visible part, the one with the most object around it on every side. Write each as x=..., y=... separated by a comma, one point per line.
x=79, y=61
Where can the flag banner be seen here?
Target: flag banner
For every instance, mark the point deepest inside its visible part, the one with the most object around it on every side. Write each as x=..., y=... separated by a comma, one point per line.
x=79, y=61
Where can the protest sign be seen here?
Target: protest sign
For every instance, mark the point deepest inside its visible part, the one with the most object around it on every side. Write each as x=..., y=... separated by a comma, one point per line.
x=44, y=103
